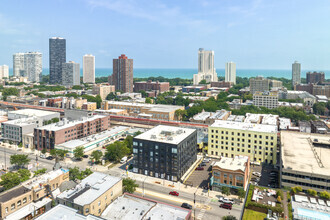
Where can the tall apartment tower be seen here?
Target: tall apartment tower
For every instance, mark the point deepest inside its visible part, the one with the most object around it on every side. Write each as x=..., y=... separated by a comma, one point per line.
x=122, y=76
x=296, y=72
x=4, y=71
x=89, y=68
x=315, y=77
x=70, y=74
x=18, y=64
x=259, y=84
x=33, y=66
x=230, y=75
x=57, y=56
x=206, y=70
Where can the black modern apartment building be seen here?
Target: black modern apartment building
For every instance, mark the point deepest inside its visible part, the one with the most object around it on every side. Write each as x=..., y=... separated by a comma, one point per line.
x=165, y=152
x=57, y=56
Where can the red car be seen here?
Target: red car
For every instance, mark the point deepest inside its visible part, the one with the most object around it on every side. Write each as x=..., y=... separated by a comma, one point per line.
x=200, y=168
x=226, y=206
x=174, y=193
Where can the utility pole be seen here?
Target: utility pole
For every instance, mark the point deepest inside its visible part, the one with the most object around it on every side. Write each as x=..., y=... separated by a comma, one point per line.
x=194, y=205
x=5, y=158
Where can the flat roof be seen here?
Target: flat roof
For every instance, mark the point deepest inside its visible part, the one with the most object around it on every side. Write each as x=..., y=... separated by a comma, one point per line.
x=134, y=206
x=245, y=126
x=93, y=138
x=166, y=134
x=22, y=121
x=236, y=163
x=219, y=114
x=90, y=188
x=150, y=107
x=297, y=154
x=67, y=124
x=33, y=112
x=62, y=212
x=12, y=193
x=202, y=116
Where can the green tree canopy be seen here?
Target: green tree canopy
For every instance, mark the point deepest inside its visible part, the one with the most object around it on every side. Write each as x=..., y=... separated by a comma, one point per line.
x=59, y=153
x=76, y=174
x=12, y=179
x=96, y=156
x=111, y=96
x=78, y=152
x=129, y=185
x=116, y=151
x=19, y=160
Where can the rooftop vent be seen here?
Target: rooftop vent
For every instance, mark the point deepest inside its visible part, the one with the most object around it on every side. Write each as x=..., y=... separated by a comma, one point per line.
x=153, y=136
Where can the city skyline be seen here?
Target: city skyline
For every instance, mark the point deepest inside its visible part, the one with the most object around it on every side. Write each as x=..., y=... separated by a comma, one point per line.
x=254, y=34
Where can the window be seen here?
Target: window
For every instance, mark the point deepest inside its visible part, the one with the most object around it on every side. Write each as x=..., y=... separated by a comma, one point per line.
x=12, y=206
x=6, y=209
x=135, y=150
x=174, y=150
x=19, y=203
x=24, y=200
x=99, y=203
x=87, y=210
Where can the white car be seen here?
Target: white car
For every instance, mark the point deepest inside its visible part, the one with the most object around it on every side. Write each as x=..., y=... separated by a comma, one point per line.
x=256, y=174
x=226, y=200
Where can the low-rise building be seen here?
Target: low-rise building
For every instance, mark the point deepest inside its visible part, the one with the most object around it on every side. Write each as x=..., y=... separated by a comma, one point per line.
x=93, y=194
x=130, y=206
x=46, y=137
x=93, y=141
x=230, y=138
x=231, y=172
x=165, y=152
x=196, y=88
x=155, y=111
x=30, y=198
x=319, y=127
x=15, y=129
x=276, y=83
x=26, y=113
x=103, y=90
x=305, y=160
x=210, y=117
x=89, y=106
x=130, y=95
x=265, y=99
x=222, y=84
x=157, y=86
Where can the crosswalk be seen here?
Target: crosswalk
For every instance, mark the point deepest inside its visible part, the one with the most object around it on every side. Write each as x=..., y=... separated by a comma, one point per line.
x=203, y=210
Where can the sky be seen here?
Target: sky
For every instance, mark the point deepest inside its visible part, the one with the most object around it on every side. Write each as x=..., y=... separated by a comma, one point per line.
x=256, y=34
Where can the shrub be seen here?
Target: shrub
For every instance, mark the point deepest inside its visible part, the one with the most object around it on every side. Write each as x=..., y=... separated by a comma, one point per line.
x=324, y=195
x=296, y=189
x=312, y=192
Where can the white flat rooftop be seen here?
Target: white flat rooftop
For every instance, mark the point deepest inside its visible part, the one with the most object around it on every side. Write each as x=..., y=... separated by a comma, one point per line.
x=245, y=126
x=236, y=163
x=67, y=124
x=129, y=207
x=202, y=116
x=150, y=107
x=32, y=112
x=99, y=183
x=166, y=134
x=62, y=212
x=297, y=154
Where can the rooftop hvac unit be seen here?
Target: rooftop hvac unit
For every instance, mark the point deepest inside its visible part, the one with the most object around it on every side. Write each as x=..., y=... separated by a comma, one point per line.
x=170, y=138
x=179, y=131
x=153, y=136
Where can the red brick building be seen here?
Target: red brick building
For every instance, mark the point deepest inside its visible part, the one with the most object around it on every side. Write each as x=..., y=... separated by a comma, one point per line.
x=315, y=77
x=221, y=84
x=152, y=86
x=122, y=76
x=50, y=135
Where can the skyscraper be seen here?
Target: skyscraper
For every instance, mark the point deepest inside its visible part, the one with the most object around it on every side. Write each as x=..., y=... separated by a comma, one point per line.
x=230, y=72
x=33, y=66
x=18, y=64
x=122, y=76
x=4, y=71
x=57, y=56
x=89, y=68
x=70, y=74
x=296, y=71
x=206, y=70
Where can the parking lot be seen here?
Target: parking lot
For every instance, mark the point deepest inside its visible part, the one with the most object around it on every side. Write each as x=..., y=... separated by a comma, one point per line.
x=200, y=178
x=267, y=179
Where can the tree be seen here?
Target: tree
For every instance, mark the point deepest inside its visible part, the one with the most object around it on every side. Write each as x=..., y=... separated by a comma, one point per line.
x=129, y=185
x=129, y=143
x=78, y=152
x=324, y=195
x=229, y=217
x=296, y=189
x=54, y=120
x=116, y=151
x=43, y=151
x=11, y=179
x=225, y=190
x=20, y=145
x=111, y=96
x=76, y=174
x=143, y=93
x=241, y=193
x=59, y=153
x=312, y=192
x=202, y=82
x=148, y=100
x=279, y=199
x=19, y=160
x=41, y=171
x=96, y=156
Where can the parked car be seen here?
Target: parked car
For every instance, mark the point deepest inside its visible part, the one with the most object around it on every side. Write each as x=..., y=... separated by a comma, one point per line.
x=203, y=164
x=256, y=174
x=85, y=156
x=226, y=206
x=221, y=198
x=227, y=200
x=50, y=158
x=123, y=160
x=199, y=168
x=255, y=179
x=186, y=206
x=43, y=156
x=174, y=193
x=206, y=160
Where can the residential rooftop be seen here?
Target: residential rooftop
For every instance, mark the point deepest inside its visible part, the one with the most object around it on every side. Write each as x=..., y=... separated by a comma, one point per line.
x=128, y=207
x=244, y=126
x=67, y=124
x=166, y=134
x=150, y=107
x=62, y=212
x=90, y=188
x=202, y=116
x=219, y=114
x=31, y=112
x=297, y=153
x=13, y=193
x=22, y=121
x=236, y=163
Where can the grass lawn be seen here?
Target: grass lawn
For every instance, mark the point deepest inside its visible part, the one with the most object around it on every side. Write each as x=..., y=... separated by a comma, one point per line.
x=250, y=214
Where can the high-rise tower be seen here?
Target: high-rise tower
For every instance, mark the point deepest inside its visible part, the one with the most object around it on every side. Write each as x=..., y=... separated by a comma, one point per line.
x=33, y=66
x=296, y=72
x=18, y=64
x=230, y=75
x=89, y=68
x=70, y=74
x=122, y=76
x=206, y=70
x=57, y=56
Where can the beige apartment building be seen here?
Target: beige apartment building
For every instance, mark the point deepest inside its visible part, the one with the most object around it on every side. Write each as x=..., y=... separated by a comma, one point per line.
x=154, y=111
x=103, y=90
x=265, y=99
x=89, y=106
x=93, y=194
